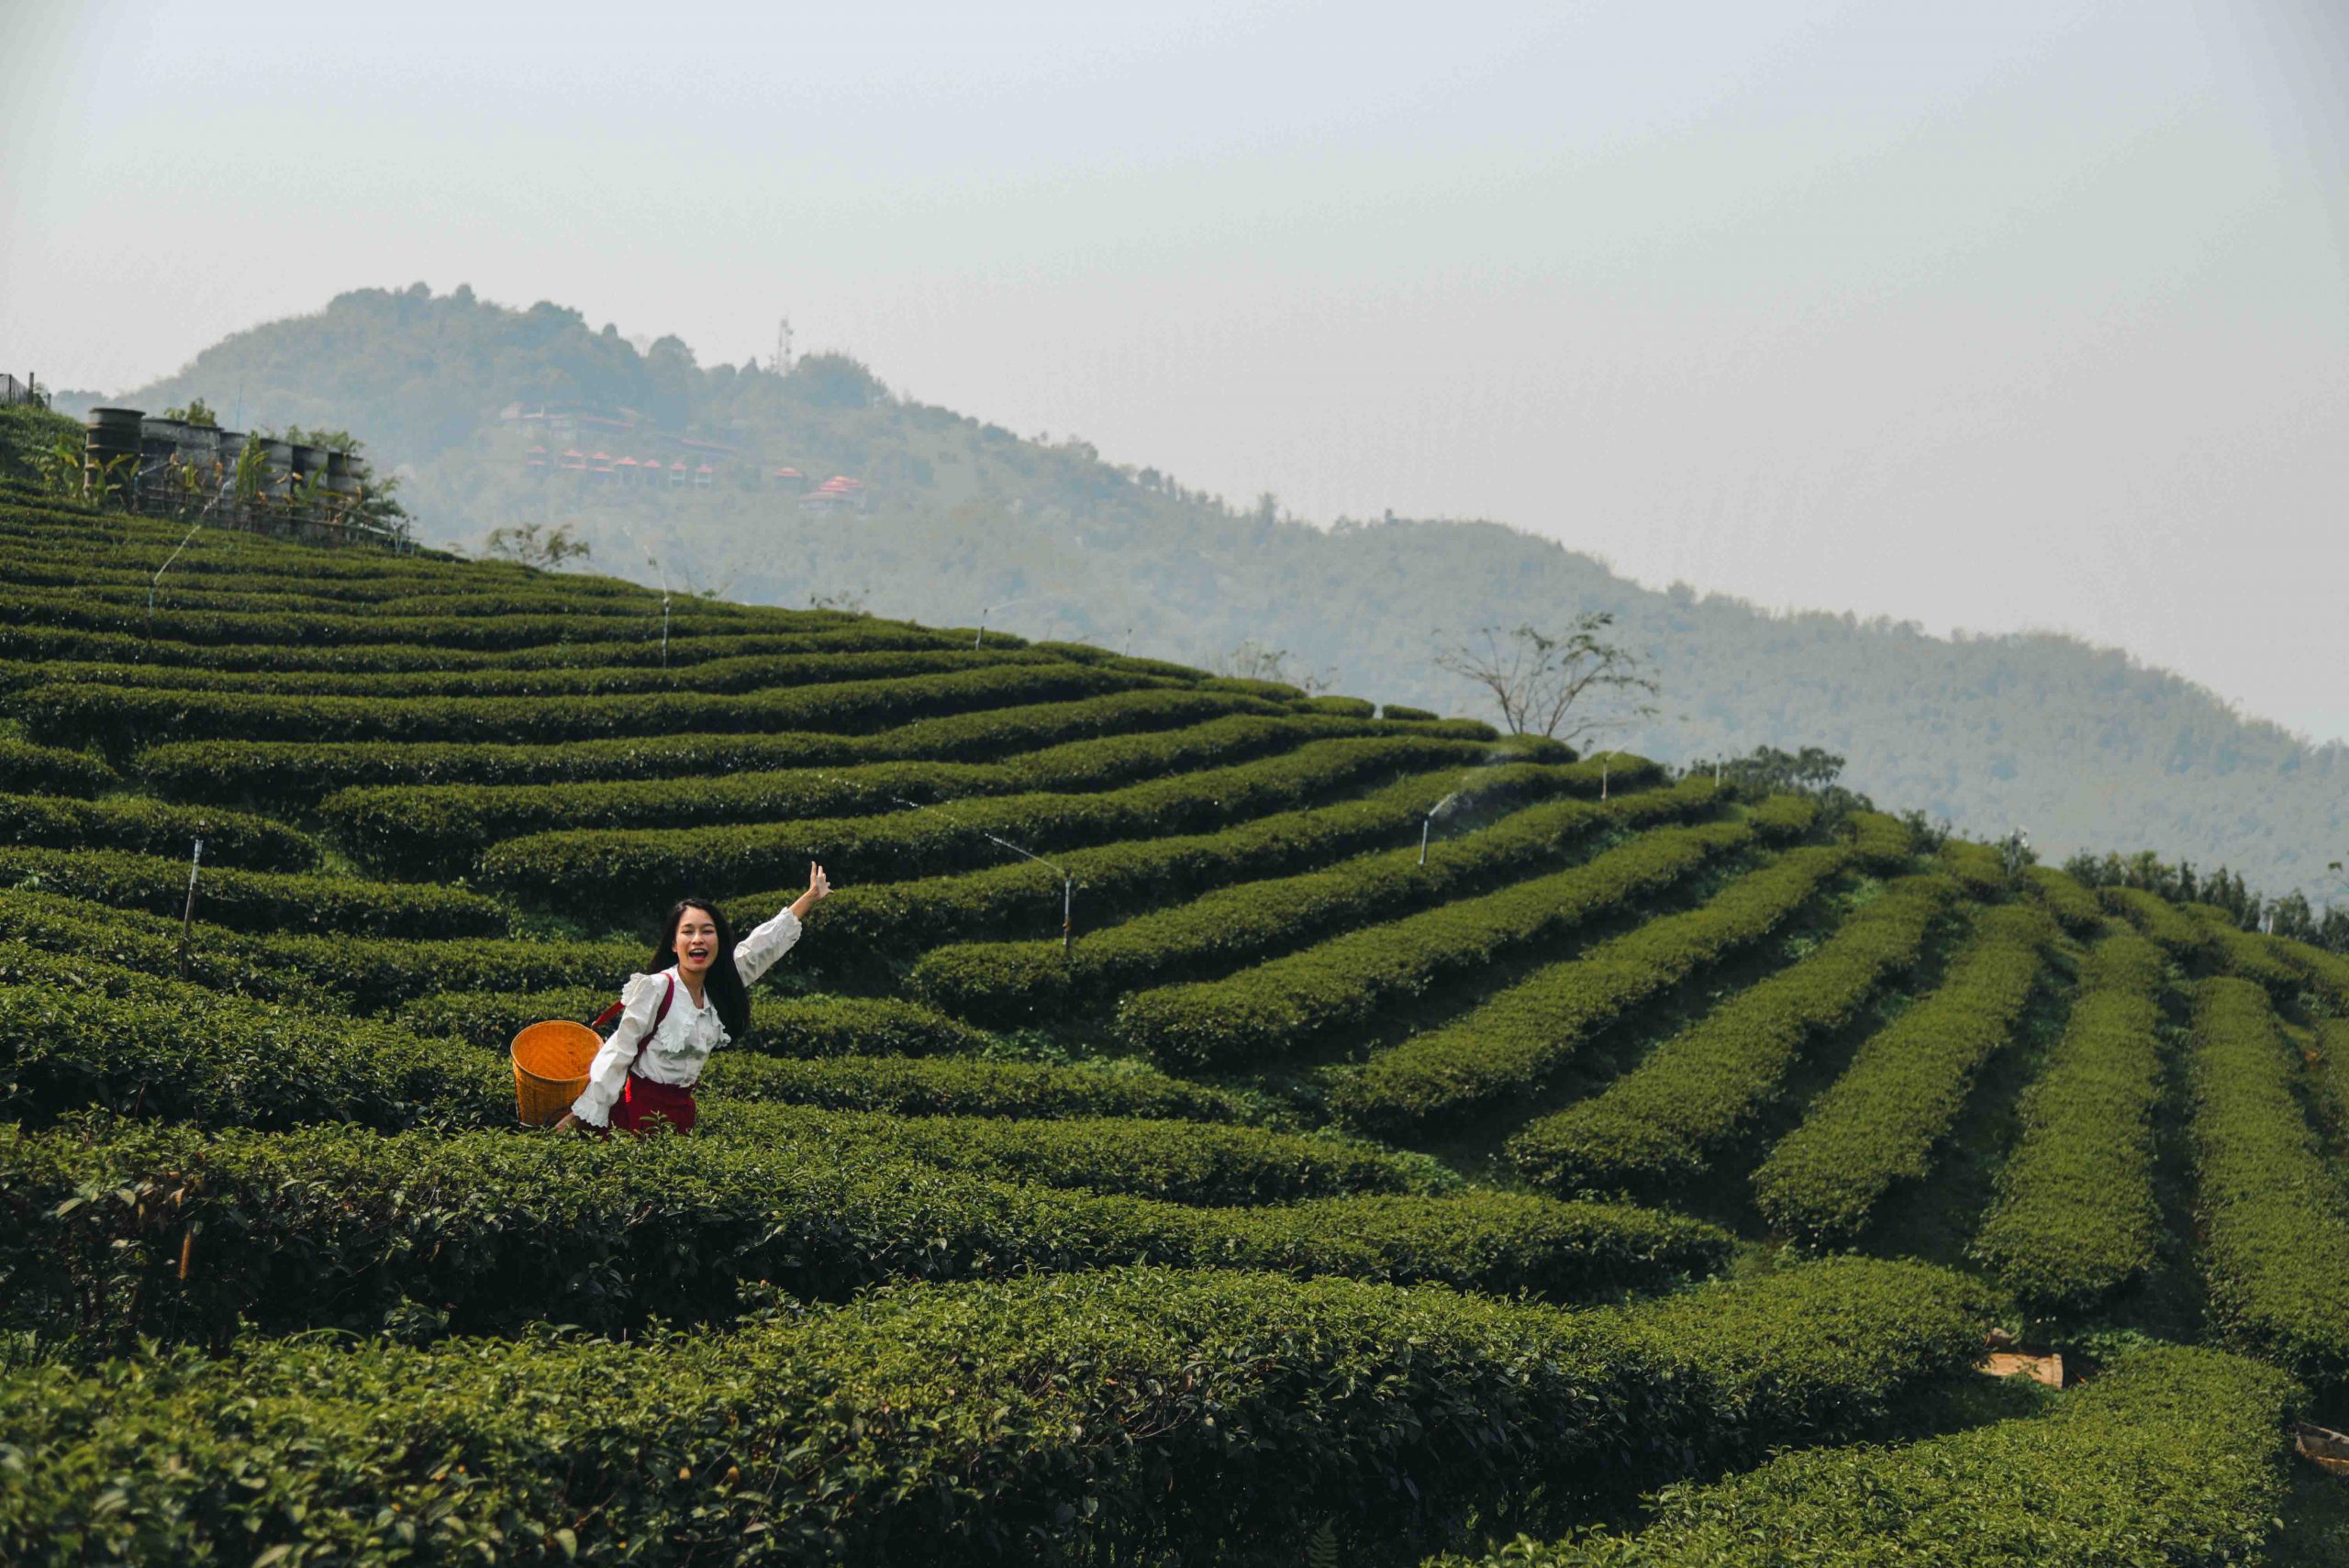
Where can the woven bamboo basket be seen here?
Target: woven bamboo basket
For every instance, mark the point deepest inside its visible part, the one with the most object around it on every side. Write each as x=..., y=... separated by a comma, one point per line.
x=550, y=1062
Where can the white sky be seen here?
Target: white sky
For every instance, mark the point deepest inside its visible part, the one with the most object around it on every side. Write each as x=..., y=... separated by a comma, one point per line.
x=1991, y=315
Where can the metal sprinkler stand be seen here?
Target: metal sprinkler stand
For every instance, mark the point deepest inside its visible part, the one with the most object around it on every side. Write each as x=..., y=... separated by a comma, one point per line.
x=187, y=914
x=1425, y=822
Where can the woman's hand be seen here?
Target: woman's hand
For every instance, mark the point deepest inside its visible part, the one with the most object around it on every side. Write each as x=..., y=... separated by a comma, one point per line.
x=819, y=886
x=570, y=1122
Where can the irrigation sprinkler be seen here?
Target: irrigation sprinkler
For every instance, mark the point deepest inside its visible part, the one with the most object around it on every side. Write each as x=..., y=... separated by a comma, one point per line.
x=153, y=581
x=188, y=913
x=1068, y=881
x=654, y=561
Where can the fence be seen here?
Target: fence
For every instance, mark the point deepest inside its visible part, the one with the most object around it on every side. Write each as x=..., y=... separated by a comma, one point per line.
x=28, y=390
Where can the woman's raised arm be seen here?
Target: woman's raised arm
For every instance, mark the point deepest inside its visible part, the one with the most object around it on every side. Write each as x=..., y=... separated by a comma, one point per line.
x=756, y=953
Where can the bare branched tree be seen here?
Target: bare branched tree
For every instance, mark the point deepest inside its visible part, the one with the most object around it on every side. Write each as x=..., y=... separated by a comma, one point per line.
x=534, y=544
x=1552, y=685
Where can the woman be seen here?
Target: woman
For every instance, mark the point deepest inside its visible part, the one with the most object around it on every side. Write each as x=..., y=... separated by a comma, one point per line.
x=671, y=1020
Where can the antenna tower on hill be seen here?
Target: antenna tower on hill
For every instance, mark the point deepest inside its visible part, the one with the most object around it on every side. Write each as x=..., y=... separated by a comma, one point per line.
x=783, y=347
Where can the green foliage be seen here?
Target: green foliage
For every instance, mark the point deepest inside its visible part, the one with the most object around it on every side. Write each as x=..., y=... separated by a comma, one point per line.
x=784, y=1026
x=2273, y=1222
x=1879, y=1123
x=577, y=870
x=27, y=769
x=1273, y=1009
x=121, y=718
x=295, y=774
x=1140, y=1415
x=2170, y=1458
x=342, y=1226
x=254, y=901
x=1142, y=874
x=2075, y=1218
x=2074, y=906
x=425, y=830
x=1397, y=710
x=149, y=826
x=1221, y=929
x=1512, y=1043
x=2179, y=933
x=1665, y=1121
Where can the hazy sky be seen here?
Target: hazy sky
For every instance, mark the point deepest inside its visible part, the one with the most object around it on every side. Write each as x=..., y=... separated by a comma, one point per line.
x=1992, y=316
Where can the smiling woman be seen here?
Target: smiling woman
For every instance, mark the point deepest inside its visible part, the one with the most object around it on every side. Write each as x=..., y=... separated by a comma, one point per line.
x=646, y=1072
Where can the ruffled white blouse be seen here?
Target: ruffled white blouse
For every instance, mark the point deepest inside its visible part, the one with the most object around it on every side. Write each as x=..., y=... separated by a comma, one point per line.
x=674, y=1052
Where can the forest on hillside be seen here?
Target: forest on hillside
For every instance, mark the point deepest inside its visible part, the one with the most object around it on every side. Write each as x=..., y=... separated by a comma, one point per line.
x=2081, y=746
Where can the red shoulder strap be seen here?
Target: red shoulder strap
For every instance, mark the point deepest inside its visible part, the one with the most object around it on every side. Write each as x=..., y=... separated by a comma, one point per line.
x=608, y=1013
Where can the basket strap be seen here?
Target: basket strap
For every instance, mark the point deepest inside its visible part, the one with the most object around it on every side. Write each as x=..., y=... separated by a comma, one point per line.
x=608, y=1013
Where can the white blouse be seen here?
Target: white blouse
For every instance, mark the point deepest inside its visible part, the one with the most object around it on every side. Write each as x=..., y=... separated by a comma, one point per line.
x=676, y=1051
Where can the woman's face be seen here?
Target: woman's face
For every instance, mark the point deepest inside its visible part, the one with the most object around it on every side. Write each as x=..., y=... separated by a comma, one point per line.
x=696, y=941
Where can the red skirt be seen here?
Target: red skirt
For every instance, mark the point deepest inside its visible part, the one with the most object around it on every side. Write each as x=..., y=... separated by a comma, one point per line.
x=645, y=1105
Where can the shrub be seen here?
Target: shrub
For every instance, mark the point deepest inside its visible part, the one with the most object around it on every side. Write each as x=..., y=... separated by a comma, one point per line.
x=255, y=900
x=296, y=774
x=2073, y=905
x=1667, y=1119
x=27, y=769
x=1980, y=869
x=2170, y=1457
x=577, y=870
x=1349, y=708
x=1512, y=1043
x=901, y=918
x=1140, y=1415
x=784, y=1026
x=340, y=1226
x=2246, y=954
x=1218, y=930
x=2178, y=932
x=1784, y=816
x=1880, y=1122
x=120, y=719
x=2275, y=1226
x=149, y=826
x=441, y=829
x=1260, y=1014
x=2075, y=1219
x=1397, y=710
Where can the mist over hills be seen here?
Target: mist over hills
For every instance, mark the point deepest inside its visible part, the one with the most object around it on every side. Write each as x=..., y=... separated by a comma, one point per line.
x=956, y=519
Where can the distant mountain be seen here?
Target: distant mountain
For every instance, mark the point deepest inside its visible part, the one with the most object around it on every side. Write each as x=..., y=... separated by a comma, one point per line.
x=494, y=417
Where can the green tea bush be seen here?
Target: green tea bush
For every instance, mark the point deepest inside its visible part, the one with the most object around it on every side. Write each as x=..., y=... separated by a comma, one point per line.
x=1142, y=874
x=1140, y=1415
x=1784, y=816
x=2178, y=932
x=1218, y=930
x=1664, y=1122
x=1199, y=1163
x=2075, y=1219
x=120, y=719
x=296, y=774
x=2246, y=954
x=2169, y=1458
x=1980, y=869
x=2073, y=905
x=1882, y=843
x=255, y=900
x=2274, y=1223
x=27, y=769
x=343, y=1227
x=363, y=974
x=784, y=1026
x=822, y=662
x=1267, y=1011
x=2329, y=972
x=149, y=826
x=1880, y=1122
x=1512, y=1043
x=577, y=870
x=1348, y=708
x=441, y=829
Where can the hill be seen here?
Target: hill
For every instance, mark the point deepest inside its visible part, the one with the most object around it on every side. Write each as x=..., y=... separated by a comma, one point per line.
x=2079, y=745
x=1416, y=1137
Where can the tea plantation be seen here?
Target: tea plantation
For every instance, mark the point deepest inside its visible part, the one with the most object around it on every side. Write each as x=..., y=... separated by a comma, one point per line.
x=1631, y=1176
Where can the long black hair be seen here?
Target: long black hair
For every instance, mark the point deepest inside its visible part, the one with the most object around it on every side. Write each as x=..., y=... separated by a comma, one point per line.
x=724, y=984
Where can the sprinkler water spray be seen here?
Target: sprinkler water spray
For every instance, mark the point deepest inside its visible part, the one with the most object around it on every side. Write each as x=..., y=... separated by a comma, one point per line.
x=654, y=561
x=187, y=914
x=1068, y=881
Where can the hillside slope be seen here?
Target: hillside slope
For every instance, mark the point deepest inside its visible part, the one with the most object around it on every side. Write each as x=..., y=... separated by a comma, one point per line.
x=1412, y=1137
x=2078, y=745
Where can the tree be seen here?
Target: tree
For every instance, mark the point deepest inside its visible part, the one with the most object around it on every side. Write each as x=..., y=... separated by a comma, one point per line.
x=1547, y=685
x=198, y=412
x=535, y=544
